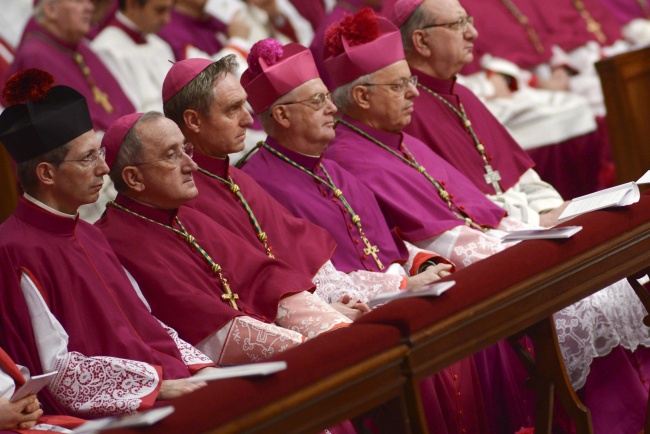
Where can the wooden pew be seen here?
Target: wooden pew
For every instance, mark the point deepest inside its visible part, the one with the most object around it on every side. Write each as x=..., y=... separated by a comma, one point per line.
x=334, y=377
x=625, y=80
x=378, y=361
x=518, y=290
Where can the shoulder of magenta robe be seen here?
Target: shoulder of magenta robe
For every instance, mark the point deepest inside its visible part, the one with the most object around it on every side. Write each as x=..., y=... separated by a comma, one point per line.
x=437, y=126
x=307, y=198
x=296, y=241
x=408, y=200
x=85, y=288
x=183, y=31
x=568, y=29
x=502, y=35
x=313, y=11
x=177, y=281
x=42, y=50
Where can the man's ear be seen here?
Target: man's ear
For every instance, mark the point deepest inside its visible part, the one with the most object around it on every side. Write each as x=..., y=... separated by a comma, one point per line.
x=281, y=115
x=46, y=173
x=420, y=43
x=132, y=177
x=192, y=120
x=361, y=96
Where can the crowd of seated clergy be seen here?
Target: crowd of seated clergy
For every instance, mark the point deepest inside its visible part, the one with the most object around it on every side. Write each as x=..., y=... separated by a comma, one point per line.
x=380, y=146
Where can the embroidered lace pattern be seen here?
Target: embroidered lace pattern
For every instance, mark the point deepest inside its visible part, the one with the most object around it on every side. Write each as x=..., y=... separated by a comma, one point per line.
x=102, y=386
x=594, y=326
x=332, y=285
x=246, y=340
x=190, y=355
x=309, y=315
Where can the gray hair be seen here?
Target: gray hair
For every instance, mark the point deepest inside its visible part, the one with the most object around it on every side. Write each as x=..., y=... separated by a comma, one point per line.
x=39, y=13
x=199, y=93
x=26, y=171
x=130, y=151
x=342, y=95
x=418, y=19
x=266, y=117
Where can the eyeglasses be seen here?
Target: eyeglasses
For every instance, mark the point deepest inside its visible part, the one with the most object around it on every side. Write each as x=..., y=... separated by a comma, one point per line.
x=175, y=157
x=90, y=161
x=399, y=86
x=460, y=24
x=316, y=102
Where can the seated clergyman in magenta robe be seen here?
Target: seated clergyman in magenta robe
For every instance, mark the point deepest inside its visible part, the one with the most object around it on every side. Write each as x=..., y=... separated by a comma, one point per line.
x=67, y=304
x=42, y=50
x=229, y=291
x=183, y=33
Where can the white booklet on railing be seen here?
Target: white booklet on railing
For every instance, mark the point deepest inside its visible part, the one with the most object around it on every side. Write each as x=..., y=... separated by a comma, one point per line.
x=542, y=234
x=249, y=370
x=620, y=195
x=144, y=418
x=430, y=290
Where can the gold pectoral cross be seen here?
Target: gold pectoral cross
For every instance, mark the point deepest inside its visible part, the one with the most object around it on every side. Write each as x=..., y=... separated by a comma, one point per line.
x=492, y=177
x=229, y=296
x=102, y=99
x=372, y=250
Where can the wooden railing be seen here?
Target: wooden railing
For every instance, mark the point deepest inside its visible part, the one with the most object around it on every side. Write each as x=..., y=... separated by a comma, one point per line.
x=376, y=362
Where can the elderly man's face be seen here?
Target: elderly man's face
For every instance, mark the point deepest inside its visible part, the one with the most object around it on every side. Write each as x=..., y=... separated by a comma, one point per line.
x=76, y=182
x=390, y=109
x=151, y=17
x=311, y=114
x=71, y=18
x=168, y=182
x=451, y=46
x=223, y=130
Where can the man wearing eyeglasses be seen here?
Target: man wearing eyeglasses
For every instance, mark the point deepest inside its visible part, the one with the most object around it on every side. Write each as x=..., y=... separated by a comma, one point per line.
x=286, y=92
x=219, y=292
x=298, y=116
x=67, y=304
x=436, y=207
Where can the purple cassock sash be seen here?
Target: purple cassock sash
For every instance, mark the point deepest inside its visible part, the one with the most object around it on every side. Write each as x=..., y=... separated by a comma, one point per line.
x=183, y=31
x=567, y=28
x=409, y=201
x=40, y=49
x=502, y=34
x=178, y=282
x=310, y=199
x=442, y=130
x=302, y=244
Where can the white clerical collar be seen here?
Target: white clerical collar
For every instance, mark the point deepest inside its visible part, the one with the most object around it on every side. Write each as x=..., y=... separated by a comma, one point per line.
x=127, y=22
x=48, y=208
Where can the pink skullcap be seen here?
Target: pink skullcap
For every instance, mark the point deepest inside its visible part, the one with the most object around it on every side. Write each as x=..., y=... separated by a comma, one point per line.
x=182, y=73
x=115, y=135
x=357, y=58
x=275, y=70
x=403, y=10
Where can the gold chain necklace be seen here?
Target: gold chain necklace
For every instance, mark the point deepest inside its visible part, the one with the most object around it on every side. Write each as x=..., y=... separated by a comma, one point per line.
x=411, y=161
x=234, y=189
x=370, y=249
x=524, y=21
x=593, y=26
x=228, y=295
x=491, y=176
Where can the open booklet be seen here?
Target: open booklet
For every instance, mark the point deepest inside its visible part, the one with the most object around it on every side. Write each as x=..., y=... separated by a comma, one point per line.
x=33, y=385
x=430, y=290
x=620, y=195
x=264, y=368
x=542, y=234
x=144, y=418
